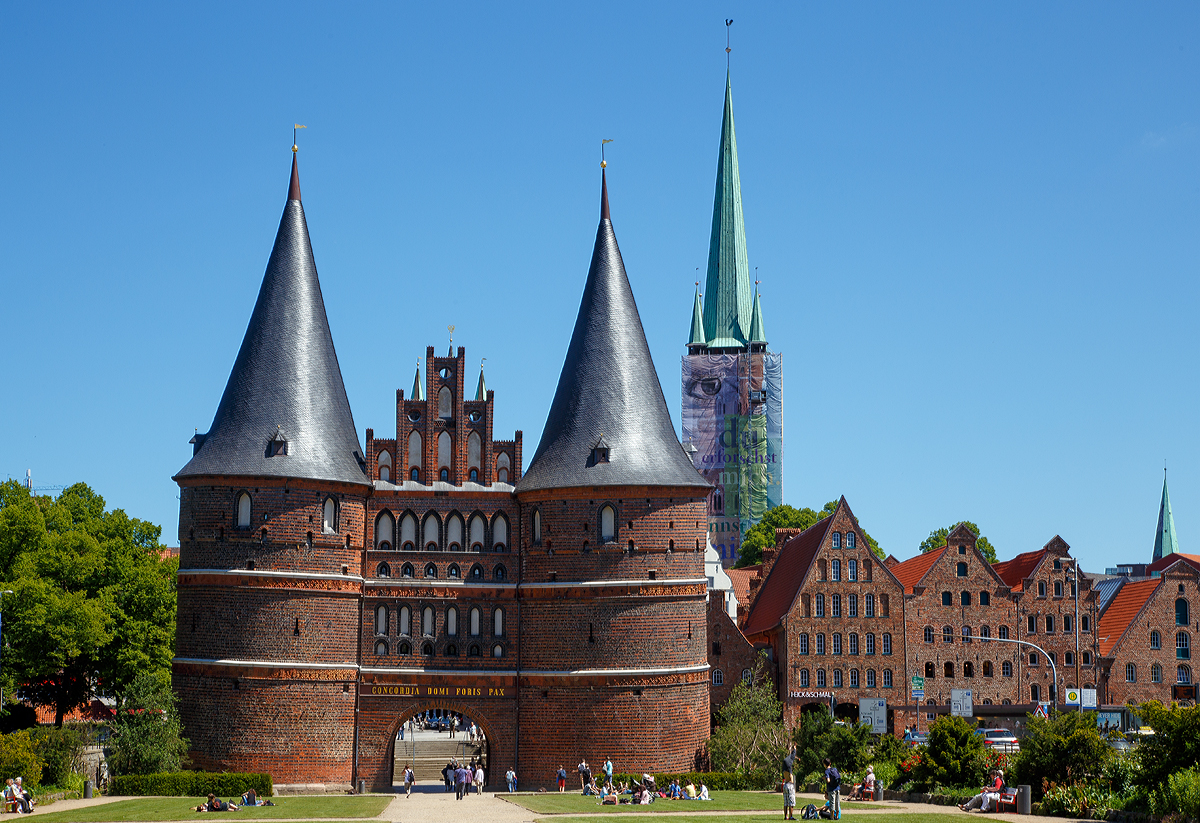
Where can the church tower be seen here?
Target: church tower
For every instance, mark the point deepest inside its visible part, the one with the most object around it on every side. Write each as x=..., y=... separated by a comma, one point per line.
x=270, y=531
x=612, y=553
x=732, y=385
x=1165, y=541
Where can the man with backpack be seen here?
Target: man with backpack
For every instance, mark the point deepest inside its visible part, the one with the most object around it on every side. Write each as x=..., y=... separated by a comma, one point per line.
x=833, y=790
x=789, y=785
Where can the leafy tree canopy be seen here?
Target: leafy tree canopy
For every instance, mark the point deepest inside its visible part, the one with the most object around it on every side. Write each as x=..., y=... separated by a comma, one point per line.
x=953, y=756
x=762, y=534
x=937, y=539
x=750, y=738
x=146, y=732
x=93, y=601
x=1063, y=749
x=1174, y=746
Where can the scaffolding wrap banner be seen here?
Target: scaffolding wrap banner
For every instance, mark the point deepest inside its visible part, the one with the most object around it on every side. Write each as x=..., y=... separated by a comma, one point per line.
x=733, y=417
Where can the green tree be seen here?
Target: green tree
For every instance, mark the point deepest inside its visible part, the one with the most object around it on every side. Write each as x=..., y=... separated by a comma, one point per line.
x=953, y=755
x=750, y=738
x=146, y=731
x=762, y=534
x=18, y=756
x=1174, y=746
x=1064, y=748
x=937, y=539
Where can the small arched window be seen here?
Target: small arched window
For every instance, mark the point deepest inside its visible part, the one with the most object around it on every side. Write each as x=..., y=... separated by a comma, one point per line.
x=243, y=511
x=1035, y=693
x=452, y=621
x=1183, y=650
x=385, y=529
x=1130, y=673
x=869, y=605
x=404, y=649
x=947, y=599
x=929, y=634
x=1183, y=675
x=835, y=572
x=475, y=621
x=819, y=604
x=498, y=622
x=497, y=650
x=929, y=671
x=454, y=533
x=502, y=467
x=445, y=403
x=381, y=619
x=385, y=465
x=964, y=598
x=718, y=678
x=1181, y=612
x=1041, y=588
x=500, y=533
x=608, y=524
x=536, y=524
x=474, y=454
x=947, y=634
x=429, y=532
x=453, y=571
x=837, y=540
x=966, y=634
x=499, y=574
x=985, y=599
x=1058, y=588
x=381, y=647
x=947, y=669
x=427, y=621
x=1155, y=640
x=430, y=570
x=329, y=516
x=451, y=650
x=473, y=651
x=852, y=571
x=850, y=540
x=968, y=669
x=407, y=570
x=987, y=669
x=804, y=677
x=1156, y=673
x=405, y=616
x=1006, y=668
x=408, y=532
x=961, y=569
x=427, y=650
x=383, y=570
x=985, y=633
x=1085, y=623
x=477, y=572
x=478, y=533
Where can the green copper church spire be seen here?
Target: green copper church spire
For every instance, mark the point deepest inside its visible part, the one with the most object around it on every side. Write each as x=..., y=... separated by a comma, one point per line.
x=697, y=340
x=1165, y=541
x=418, y=392
x=727, y=289
x=481, y=389
x=757, y=334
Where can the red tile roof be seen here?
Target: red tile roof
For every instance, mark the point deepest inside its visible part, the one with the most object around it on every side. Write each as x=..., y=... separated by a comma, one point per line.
x=910, y=572
x=1013, y=572
x=741, y=582
x=94, y=712
x=1171, y=559
x=1124, y=608
x=778, y=591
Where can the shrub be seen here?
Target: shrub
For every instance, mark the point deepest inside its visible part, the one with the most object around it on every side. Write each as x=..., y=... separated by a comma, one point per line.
x=750, y=738
x=886, y=773
x=953, y=756
x=1180, y=794
x=1174, y=746
x=1065, y=749
x=1076, y=800
x=62, y=752
x=190, y=784
x=888, y=748
x=146, y=732
x=18, y=756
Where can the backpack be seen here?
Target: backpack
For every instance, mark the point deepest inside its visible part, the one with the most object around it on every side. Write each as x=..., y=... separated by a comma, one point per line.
x=809, y=812
x=825, y=813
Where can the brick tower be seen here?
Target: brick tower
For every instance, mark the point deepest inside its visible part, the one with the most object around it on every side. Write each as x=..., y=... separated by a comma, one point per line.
x=270, y=529
x=612, y=627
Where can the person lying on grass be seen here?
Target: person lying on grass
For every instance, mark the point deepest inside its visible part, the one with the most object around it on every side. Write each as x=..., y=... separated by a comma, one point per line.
x=215, y=805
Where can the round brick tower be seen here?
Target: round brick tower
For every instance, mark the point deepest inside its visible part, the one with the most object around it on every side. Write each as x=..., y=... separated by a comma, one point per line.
x=613, y=659
x=270, y=528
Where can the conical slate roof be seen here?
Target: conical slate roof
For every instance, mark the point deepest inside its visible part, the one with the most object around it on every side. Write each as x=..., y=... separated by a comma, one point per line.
x=286, y=387
x=609, y=403
x=1165, y=541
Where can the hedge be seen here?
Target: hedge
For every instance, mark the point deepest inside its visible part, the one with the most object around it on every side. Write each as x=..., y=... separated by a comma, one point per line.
x=191, y=784
x=716, y=781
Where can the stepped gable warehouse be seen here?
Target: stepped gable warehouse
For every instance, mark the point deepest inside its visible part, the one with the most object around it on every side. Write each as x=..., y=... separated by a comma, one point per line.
x=327, y=593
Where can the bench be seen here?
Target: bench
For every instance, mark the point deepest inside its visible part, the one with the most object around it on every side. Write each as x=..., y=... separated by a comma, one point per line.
x=1007, y=801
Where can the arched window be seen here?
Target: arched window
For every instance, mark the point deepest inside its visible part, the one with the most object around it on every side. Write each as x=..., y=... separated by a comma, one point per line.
x=473, y=475
x=803, y=677
x=866, y=570
x=1183, y=649
x=477, y=572
x=985, y=599
x=837, y=678
x=852, y=605
x=385, y=465
x=1085, y=623
x=451, y=650
x=381, y=619
x=837, y=642
x=1058, y=589
x=1156, y=673
x=473, y=651
x=1049, y=624
x=381, y=647
x=1183, y=675
x=444, y=475
x=1006, y=668
x=329, y=516
x=852, y=643
x=852, y=570
x=964, y=598
x=404, y=649
x=820, y=643
x=454, y=533
x=383, y=570
x=415, y=457
x=1155, y=640
x=427, y=650
x=929, y=634
x=429, y=533
x=820, y=678
x=427, y=621
x=502, y=467
x=961, y=569
x=887, y=643
x=947, y=599
x=407, y=570
x=929, y=671
x=870, y=679
x=499, y=533
x=804, y=643
x=405, y=625
x=850, y=540
x=837, y=540
x=445, y=403
x=1130, y=673
x=746, y=676
x=408, y=532
x=474, y=453
x=608, y=524
x=453, y=571
x=987, y=669
x=1041, y=588
x=478, y=533
x=536, y=524
x=968, y=669
x=430, y=570
x=497, y=650
x=966, y=634
x=415, y=475
x=1035, y=693
x=869, y=642
x=1181, y=612
x=985, y=633
x=869, y=604
x=819, y=603
x=718, y=678
x=445, y=454
x=947, y=669
x=947, y=634
x=243, y=511
x=452, y=622
x=499, y=574
x=835, y=572
x=385, y=530
x=475, y=621
x=498, y=622
x=1003, y=633
x=835, y=602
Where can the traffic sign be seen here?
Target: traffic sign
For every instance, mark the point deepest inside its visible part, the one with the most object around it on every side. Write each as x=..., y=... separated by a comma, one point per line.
x=962, y=703
x=918, y=682
x=1040, y=711
x=1072, y=697
x=918, y=693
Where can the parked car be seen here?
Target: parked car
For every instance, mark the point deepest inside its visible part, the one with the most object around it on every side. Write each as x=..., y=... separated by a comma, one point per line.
x=1120, y=744
x=1001, y=740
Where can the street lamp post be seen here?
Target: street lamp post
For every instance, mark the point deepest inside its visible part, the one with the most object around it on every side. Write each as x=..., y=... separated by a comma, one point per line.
x=6, y=591
x=1053, y=667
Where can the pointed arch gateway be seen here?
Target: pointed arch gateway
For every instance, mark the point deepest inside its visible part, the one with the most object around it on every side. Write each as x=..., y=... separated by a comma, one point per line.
x=491, y=743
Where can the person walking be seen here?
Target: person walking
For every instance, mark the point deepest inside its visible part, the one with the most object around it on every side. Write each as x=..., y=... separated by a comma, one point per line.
x=511, y=777
x=409, y=779
x=479, y=778
x=562, y=779
x=608, y=770
x=833, y=790
x=460, y=781
x=789, y=785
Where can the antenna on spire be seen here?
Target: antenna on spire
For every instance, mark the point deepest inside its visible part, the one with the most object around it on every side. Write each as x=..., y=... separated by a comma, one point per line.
x=296, y=126
x=728, y=47
x=603, y=162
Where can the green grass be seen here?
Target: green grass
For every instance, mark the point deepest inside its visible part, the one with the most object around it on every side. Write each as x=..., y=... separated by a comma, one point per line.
x=905, y=817
x=183, y=808
x=555, y=803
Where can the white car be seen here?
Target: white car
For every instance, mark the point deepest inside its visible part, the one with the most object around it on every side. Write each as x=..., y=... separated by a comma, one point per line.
x=1001, y=740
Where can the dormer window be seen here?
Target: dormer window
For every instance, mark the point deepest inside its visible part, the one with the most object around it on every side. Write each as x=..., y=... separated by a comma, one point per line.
x=599, y=452
x=277, y=445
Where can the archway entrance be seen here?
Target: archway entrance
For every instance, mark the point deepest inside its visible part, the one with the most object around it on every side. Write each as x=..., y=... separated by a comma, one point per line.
x=431, y=739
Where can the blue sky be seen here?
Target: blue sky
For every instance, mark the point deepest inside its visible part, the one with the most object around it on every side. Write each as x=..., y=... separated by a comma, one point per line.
x=975, y=225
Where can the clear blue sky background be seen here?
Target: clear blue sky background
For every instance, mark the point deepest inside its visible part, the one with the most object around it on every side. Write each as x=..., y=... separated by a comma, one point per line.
x=975, y=223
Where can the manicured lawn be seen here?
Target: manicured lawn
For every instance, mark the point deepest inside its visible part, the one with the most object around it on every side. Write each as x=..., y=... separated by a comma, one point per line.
x=555, y=803
x=758, y=818
x=183, y=808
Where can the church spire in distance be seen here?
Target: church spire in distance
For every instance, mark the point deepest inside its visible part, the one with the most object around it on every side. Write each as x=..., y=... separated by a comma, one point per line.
x=1165, y=541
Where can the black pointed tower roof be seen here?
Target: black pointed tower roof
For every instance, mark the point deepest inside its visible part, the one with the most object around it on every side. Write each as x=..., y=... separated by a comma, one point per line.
x=284, y=412
x=609, y=424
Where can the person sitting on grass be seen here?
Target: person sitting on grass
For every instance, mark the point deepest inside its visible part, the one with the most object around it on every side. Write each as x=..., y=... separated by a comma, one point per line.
x=690, y=790
x=703, y=792
x=216, y=805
